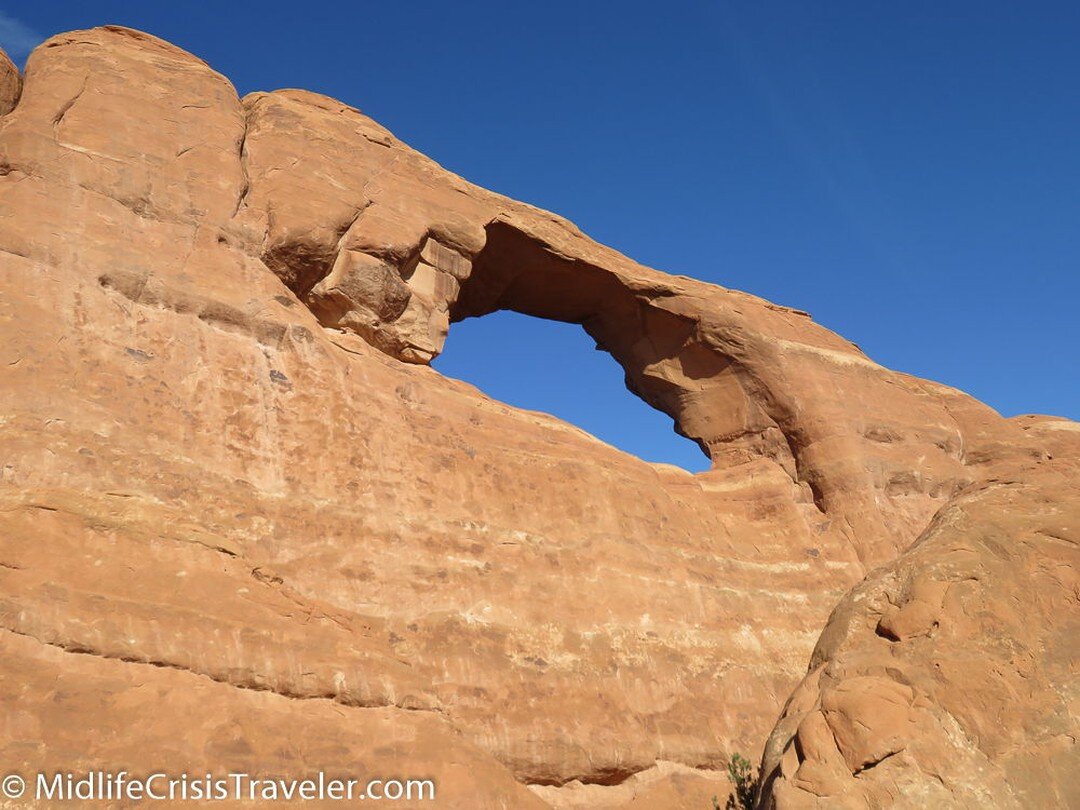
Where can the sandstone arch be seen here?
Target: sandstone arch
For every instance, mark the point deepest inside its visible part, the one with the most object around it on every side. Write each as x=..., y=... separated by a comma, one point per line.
x=215, y=321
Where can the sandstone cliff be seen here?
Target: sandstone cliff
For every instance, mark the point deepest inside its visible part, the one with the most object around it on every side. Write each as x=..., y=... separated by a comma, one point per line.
x=246, y=526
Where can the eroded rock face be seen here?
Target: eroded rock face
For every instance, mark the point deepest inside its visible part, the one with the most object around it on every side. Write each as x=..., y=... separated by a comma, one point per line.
x=396, y=247
x=948, y=677
x=230, y=477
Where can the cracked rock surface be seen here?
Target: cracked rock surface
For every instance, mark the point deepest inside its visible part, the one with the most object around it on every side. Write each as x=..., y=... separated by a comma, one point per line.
x=244, y=525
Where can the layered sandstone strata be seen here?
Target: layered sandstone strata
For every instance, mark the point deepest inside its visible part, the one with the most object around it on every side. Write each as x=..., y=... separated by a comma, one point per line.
x=247, y=526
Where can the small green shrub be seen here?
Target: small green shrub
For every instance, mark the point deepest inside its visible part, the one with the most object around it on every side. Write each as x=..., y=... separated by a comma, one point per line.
x=741, y=774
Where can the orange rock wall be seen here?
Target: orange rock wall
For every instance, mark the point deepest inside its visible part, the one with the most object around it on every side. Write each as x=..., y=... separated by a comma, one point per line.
x=235, y=499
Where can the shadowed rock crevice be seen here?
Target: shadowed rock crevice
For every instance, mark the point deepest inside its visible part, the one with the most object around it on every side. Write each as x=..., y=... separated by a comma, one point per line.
x=10, y=84
x=302, y=261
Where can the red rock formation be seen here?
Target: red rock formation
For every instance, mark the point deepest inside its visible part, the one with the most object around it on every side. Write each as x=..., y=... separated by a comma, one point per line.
x=947, y=678
x=236, y=499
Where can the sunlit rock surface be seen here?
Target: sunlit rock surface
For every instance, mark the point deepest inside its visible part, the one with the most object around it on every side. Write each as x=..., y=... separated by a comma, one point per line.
x=246, y=526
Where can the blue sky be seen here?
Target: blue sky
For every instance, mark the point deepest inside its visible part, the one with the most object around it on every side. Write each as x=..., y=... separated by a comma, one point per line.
x=907, y=172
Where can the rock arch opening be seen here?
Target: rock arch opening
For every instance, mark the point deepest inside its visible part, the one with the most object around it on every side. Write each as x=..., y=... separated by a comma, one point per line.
x=402, y=295
x=664, y=361
x=517, y=273
x=542, y=365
